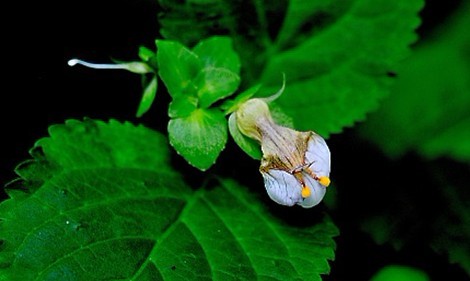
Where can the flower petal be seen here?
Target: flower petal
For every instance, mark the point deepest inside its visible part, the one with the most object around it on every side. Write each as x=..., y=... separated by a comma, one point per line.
x=317, y=192
x=282, y=187
x=319, y=154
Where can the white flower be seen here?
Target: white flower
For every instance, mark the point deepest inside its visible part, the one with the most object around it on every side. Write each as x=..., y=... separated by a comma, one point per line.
x=295, y=165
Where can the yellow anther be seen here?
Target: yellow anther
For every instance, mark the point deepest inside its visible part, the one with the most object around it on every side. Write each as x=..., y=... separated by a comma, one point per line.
x=305, y=192
x=325, y=181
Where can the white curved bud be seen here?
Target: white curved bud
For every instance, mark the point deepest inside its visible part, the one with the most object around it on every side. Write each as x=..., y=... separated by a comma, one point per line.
x=135, y=66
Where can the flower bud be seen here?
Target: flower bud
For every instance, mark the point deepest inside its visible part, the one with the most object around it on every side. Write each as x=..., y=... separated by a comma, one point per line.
x=250, y=115
x=134, y=66
x=295, y=165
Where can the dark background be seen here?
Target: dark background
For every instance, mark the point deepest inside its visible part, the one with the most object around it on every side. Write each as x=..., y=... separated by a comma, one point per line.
x=39, y=89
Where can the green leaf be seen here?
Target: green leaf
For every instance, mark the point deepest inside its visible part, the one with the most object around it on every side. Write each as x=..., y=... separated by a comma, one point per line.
x=90, y=143
x=88, y=192
x=337, y=56
x=220, y=76
x=199, y=77
x=399, y=272
x=215, y=84
x=102, y=204
x=248, y=145
x=274, y=250
x=199, y=137
x=149, y=57
x=148, y=97
x=145, y=54
x=177, y=67
x=218, y=52
x=429, y=109
x=196, y=80
x=339, y=73
x=181, y=106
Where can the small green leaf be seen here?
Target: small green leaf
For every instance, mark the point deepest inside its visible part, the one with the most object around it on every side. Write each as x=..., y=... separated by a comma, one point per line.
x=218, y=52
x=204, y=76
x=148, y=56
x=182, y=106
x=103, y=204
x=230, y=106
x=177, y=67
x=400, y=272
x=148, y=97
x=215, y=84
x=199, y=137
x=248, y=145
x=145, y=53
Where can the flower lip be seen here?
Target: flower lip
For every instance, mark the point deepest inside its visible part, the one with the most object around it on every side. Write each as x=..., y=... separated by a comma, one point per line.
x=285, y=189
x=317, y=193
x=279, y=185
x=303, y=184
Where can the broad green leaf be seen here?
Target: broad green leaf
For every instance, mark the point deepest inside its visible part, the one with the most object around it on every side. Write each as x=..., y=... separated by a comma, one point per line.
x=102, y=207
x=215, y=83
x=199, y=137
x=275, y=250
x=89, y=143
x=148, y=97
x=88, y=192
x=177, y=67
x=400, y=272
x=248, y=145
x=339, y=73
x=337, y=56
x=429, y=110
x=218, y=52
